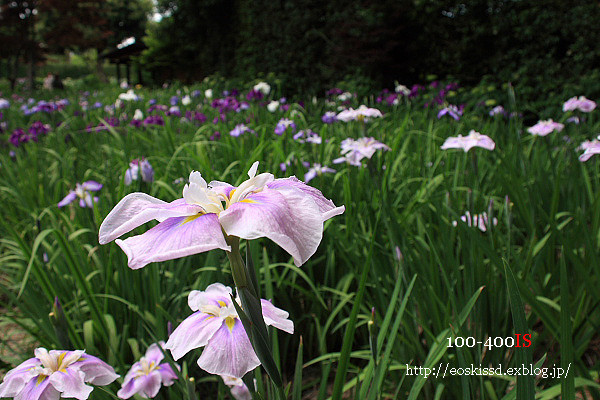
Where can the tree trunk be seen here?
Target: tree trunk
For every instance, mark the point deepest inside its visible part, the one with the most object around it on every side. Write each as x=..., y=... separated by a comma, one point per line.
x=100, y=68
x=31, y=71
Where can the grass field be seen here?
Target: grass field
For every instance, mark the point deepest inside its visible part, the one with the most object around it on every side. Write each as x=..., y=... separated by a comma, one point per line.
x=399, y=279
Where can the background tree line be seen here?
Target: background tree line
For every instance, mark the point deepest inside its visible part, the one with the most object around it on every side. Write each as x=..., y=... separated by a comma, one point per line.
x=32, y=29
x=311, y=44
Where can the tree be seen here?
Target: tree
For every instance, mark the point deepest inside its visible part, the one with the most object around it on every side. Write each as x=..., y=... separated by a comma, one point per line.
x=18, y=37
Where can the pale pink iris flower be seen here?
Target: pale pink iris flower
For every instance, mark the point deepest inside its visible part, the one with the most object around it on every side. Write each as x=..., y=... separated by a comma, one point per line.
x=287, y=211
x=56, y=373
x=362, y=113
x=543, y=128
x=147, y=375
x=589, y=147
x=354, y=151
x=215, y=325
x=473, y=139
x=580, y=103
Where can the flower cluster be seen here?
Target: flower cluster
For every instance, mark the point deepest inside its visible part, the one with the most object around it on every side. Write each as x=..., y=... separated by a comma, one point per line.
x=19, y=136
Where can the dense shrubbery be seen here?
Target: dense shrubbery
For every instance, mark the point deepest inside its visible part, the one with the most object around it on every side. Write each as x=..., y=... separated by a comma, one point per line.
x=311, y=44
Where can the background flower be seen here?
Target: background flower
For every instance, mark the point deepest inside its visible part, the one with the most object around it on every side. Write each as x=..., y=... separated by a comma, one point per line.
x=147, y=375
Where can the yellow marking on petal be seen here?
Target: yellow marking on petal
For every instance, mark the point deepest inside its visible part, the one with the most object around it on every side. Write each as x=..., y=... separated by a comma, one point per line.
x=230, y=322
x=248, y=201
x=61, y=357
x=40, y=379
x=222, y=303
x=191, y=218
x=231, y=193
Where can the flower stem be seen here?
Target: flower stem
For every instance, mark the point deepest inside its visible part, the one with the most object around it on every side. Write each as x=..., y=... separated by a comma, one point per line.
x=238, y=270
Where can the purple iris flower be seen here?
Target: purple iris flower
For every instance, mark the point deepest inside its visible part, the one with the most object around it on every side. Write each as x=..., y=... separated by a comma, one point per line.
x=174, y=100
x=154, y=120
x=4, y=103
x=82, y=191
x=452, y=110
x=239, y=130
x=329, y=117
x=148, y=374
x=283, y=125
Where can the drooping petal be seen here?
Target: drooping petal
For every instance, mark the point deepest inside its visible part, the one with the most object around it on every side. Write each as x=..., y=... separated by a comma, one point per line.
x=174, y=238
x=71, y=383
x=129, y=388
x=147, y=386
x=276, y=317
x=96, y=371
x=167, y=375
x=16, y=379
x=310, y=175
x=241, y=393
x=326, y=207
x=286, y=216
x=136, y=209
x=38, y=390
x=216, y=294
x=68, y=199
x=229, y=352
x=195, y=331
